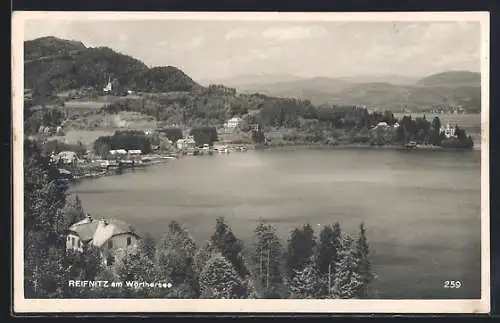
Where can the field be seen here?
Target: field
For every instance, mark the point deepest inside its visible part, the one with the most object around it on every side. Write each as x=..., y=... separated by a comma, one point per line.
x=86, y=137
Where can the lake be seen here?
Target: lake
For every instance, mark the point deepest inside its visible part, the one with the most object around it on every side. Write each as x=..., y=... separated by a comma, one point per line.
x=421, y=209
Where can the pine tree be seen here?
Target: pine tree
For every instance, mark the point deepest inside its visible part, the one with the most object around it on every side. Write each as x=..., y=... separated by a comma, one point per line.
x=347, y=282
x=266, y=257
x=72, y=212
x=329, y=245
x=174, y=258
x=306, y=282
x=301, y=247
x=364, y=265
x=219, y=280
x=229, y=246
x=131, y=265
x=202, y=256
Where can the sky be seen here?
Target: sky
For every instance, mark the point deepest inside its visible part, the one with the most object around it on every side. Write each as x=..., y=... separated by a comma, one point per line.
x=223, y=49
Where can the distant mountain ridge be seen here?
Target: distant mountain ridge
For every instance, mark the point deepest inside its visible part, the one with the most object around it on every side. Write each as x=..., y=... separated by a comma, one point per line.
x=460, y=88
x=53, y=65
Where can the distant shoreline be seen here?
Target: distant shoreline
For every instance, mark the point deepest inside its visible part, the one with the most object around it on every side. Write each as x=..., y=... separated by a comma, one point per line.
x=364, y=146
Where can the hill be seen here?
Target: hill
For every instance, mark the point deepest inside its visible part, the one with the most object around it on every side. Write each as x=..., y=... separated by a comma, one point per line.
x=381, y=78
x=60, y=65
x=249, y=79
x=49, y=46
x=452, y=79
x=449, y=88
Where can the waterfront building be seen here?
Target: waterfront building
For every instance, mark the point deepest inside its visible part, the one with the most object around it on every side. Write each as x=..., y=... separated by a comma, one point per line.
x=449, y=131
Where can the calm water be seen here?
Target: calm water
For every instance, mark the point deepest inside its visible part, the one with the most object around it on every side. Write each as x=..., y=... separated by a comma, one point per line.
x=421, y=209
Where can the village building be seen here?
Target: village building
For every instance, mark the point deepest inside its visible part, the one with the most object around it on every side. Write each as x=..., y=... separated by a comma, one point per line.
x=233, y=123
x=449, y=131
x=109, y=236
x=186, y=143
x=66, y=157
x=118, y=152
x=381, y=125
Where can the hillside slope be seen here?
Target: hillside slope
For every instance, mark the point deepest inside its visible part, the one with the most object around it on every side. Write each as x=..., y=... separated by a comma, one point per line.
x=449, y=88
x=49, y=46
x=452, y=79
x=59, y=65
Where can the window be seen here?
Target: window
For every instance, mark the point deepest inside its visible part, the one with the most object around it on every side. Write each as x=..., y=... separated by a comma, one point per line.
x=72, y=241
x=110, y=244
x=129, y=241
x=110, y=259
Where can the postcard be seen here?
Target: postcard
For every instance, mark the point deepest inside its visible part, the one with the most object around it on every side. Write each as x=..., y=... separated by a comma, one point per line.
x=251, y=162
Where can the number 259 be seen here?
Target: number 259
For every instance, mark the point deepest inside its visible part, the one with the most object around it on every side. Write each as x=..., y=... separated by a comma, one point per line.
x=452, y=284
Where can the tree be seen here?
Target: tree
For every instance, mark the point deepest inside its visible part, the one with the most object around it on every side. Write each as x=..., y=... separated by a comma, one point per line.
x=348, y=282
x=72, y=212
x=267, y=255
x=148, y=245
x=300, y=249
x=328, y=248
x=436, y=131
x=44, y=248
x=229, y=246
x=306, y=283
x=202, y=256
x=364, y=265
x=131, y=265
x=175, y=257
x=220, y=280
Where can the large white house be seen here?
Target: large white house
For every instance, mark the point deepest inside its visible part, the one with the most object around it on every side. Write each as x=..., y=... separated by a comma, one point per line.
x=233, y=122
x=449, y=131
x=109, y=236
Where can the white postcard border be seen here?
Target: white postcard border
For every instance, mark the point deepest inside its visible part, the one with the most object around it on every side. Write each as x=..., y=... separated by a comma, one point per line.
x=22, y=305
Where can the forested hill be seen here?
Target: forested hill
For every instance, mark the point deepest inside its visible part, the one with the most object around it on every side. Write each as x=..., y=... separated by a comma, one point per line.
x=54, y=65
x=456, y=88
x=452, y=79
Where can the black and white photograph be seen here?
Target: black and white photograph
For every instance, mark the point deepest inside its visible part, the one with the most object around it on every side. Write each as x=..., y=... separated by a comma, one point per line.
x=251, y=162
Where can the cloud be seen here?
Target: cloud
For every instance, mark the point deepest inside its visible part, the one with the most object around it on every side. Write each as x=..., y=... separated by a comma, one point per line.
x=266, y=53
x=297, y=32
x=122, y=38
x=237, y=34
x=191, y=44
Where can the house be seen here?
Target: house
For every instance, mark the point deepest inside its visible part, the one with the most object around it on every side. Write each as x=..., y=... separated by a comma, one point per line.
x=135, y=152
x=108, y=235
x=396, y=125
x=118, y=152
x=186, y=143
x=381, y=125
x=449, y=131
x=67, y=157
x=233, y=122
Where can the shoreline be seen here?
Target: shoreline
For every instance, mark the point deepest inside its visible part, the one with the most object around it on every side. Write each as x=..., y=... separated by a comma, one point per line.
x=364, y=146
x=166, y=159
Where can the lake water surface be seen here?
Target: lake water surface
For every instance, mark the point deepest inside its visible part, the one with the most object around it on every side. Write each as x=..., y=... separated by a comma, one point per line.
x=421, y=209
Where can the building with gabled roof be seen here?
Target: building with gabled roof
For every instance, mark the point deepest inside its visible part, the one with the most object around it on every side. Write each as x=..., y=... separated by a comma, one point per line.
x=109, y=235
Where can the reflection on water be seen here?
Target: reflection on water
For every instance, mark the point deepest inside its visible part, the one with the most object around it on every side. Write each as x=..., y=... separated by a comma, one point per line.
x=421, y=209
